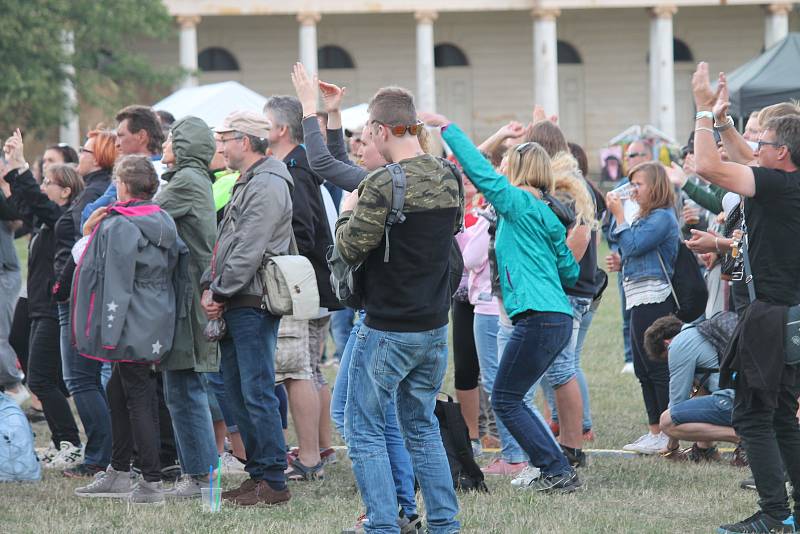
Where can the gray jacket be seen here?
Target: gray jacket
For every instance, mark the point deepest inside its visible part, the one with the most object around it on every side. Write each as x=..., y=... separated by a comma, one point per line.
x=257, y=219
x=130, y=286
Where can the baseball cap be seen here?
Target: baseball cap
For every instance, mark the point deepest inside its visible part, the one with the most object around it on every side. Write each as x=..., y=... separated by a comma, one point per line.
x=246, y=122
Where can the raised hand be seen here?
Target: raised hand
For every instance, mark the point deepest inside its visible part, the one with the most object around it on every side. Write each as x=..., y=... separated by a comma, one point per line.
x=722, y=104
x=539, y=115
x=704, y=95
x=332, y=96
x=13, y=150
x=676, y=175
x=306, y=89
x=433, y=119
x=512, y=130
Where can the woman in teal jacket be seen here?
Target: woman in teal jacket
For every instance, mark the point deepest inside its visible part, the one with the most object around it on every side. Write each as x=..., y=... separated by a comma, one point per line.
x=534, y=263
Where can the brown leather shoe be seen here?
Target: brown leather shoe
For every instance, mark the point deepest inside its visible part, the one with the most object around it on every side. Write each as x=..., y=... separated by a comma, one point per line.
x=262, y=494
x=245, y=487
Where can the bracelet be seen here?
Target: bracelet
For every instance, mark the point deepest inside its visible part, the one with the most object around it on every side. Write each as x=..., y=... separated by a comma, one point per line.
x=727, y=125
x=703, y=128
x=703, y=115
x=716, y=245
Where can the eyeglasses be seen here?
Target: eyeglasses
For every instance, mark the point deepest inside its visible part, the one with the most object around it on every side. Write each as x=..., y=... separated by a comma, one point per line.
x=47, y=182
x=401, y=129
x=635, y=155
x=82, y=150
x=768, y=143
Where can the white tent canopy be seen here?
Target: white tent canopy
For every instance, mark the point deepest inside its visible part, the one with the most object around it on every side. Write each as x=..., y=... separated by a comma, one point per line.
x=213, y=102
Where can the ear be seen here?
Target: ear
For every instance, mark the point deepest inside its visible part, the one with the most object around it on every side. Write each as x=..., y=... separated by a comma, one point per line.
x=66, y=192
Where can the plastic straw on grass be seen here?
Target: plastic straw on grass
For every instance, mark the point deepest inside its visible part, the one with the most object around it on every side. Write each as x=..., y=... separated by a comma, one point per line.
x=211, y=487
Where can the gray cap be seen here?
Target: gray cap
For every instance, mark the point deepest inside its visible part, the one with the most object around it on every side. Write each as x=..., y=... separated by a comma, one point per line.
x=246, y=122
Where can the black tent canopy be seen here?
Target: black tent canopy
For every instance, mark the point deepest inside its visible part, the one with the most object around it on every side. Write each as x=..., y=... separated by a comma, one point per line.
x=770, y=78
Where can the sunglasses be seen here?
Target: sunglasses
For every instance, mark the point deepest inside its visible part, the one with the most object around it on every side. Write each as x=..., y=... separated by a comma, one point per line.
x=401, y=129
x=524, y=147
x=635, y=155
x=768, y=143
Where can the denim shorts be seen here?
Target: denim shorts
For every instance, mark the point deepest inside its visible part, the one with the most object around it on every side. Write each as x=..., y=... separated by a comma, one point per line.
x=564, y=367
x=711, y=409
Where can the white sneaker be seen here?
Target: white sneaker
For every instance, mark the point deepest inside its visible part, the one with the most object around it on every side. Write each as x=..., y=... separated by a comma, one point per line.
x=231, y=465
x=648, y=444
x=641, y=440
x=68, y=456
x=47, y=455
x=627, y=369
x=524, y=479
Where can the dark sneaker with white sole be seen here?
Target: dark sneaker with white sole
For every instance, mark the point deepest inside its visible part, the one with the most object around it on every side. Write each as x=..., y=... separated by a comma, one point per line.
x=563, y=483
x=759, y=523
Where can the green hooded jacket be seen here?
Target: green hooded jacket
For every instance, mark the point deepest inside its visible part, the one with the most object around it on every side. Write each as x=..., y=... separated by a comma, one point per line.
x=188, y=199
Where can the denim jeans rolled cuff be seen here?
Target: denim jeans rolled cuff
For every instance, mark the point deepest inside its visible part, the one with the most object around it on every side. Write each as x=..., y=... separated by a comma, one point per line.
x=83, y=380
x=213, y=404
x=10, y=283
x=413, y=365
x=400, y=460
x=248, y=367
x=187, y=402
x=535, y=342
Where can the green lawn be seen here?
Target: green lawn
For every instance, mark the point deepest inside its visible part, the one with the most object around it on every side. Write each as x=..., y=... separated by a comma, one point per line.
x=622, y=494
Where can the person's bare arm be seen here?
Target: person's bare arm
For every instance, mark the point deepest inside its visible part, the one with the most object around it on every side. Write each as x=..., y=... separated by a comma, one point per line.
x=495, y=141
x=731, y=176
x=735, y=145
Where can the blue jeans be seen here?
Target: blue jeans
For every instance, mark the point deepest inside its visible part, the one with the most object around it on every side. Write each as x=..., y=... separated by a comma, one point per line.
x=248, y=367
x=216, y=384
x=82, y=377
x=536, y=340
x=582, y=320
x=711, y=409
x=409, y=366
x=400, y=460
x=626, y=322
x=188, y=407
x=341, y=325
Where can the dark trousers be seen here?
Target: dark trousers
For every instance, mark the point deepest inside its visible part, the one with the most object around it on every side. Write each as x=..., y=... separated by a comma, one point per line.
x=771, y=438
x=134, y=418
x=465, y=355
x=46, y=382
x=20, y=335
x=653, y=375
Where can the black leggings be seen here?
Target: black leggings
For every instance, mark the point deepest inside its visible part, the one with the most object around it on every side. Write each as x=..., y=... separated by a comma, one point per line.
x=20, y=334
x=653, y=375
x=465, y=356
x=45, y=380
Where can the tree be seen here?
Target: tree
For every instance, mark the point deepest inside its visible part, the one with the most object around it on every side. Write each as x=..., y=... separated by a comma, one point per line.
x=109, y=72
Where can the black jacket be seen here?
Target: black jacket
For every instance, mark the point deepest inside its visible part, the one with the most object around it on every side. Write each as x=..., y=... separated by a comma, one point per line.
x=69, y=231
x=47, y=221
x=310, y=223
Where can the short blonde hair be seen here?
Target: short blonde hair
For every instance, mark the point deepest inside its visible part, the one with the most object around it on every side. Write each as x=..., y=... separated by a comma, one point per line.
x=778, y=110
x=529, y=165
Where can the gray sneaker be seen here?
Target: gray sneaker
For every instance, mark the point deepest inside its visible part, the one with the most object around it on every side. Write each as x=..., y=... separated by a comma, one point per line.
x=145, y=492
x=188, y=487
x=110, y=484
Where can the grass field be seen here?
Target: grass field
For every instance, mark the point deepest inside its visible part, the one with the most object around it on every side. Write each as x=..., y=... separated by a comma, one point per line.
x=622, y=494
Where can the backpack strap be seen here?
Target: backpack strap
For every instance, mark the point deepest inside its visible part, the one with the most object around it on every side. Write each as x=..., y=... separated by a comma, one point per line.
x=396, y=215
x=669, y=281
x=748, y=271
x=447, y=164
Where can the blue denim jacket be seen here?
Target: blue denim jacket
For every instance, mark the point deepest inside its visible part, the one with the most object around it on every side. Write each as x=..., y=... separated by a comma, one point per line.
x=641, y=242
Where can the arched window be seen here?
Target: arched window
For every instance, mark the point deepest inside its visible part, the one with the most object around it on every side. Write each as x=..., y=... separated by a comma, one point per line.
x=681, y=51
x=334, y=57
x=449, y=55
x=216, y=58
x=567, y=54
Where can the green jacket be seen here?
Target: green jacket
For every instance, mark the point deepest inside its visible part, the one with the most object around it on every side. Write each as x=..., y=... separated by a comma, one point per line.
x=187, y=198
x=710, y=199
x=224, y=181
x=532, y=255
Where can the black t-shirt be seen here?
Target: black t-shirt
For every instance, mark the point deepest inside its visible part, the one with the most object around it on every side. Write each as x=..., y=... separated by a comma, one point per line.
x=586, y=285
x=773, y=226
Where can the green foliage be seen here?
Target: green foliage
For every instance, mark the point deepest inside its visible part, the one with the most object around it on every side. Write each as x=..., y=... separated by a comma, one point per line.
x=108, y=70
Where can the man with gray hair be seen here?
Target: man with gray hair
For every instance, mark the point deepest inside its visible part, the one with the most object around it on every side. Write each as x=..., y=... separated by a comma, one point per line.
x=257, y=221
x=298, y=363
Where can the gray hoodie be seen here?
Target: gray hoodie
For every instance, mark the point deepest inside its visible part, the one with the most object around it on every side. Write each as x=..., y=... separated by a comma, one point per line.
x=257, y=220
x=130, y=286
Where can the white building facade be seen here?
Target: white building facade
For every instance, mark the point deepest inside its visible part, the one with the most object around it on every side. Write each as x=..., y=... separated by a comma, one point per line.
x=600, y=65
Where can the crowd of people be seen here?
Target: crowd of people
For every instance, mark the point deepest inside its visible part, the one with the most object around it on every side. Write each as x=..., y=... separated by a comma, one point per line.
x=145, y=300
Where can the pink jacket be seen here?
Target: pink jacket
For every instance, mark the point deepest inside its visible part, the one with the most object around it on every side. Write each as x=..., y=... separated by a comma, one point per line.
x=476, y=262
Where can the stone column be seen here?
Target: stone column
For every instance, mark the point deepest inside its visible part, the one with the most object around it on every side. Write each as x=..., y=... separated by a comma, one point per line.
x=308, y=40
x=662, y=67
x=776, y=23
x=545, y=59
x=426, y=67
x=69, y=131
x=188, y=49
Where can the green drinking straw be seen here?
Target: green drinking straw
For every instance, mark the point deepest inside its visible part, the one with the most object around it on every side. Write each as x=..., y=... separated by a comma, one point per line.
x=211, y=487
x=219, y=474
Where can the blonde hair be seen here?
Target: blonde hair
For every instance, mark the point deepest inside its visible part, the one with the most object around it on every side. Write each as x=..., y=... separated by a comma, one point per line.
x=780, y=109
x=571, y=188
x=529, y=165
